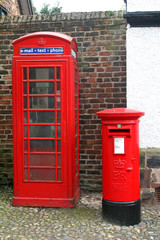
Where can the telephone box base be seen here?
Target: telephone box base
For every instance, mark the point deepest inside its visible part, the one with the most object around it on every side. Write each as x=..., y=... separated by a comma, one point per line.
x=122, y=213
x=46, y=202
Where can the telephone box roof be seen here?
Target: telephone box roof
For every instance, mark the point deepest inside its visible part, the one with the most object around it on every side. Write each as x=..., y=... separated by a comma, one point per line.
x=46, y=34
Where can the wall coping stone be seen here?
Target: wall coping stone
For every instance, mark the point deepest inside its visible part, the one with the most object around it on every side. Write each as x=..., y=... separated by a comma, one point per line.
x=62, y=16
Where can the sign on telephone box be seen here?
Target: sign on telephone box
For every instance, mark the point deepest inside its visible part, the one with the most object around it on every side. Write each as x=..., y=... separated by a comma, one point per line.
x=45, y=120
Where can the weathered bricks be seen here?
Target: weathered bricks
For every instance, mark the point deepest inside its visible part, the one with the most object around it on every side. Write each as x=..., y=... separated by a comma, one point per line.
x=102, y=74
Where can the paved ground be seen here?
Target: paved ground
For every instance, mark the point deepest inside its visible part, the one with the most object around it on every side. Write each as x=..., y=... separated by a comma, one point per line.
x=84, y=222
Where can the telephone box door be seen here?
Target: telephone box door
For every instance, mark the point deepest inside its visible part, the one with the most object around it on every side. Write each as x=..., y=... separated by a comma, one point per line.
x=41, y=169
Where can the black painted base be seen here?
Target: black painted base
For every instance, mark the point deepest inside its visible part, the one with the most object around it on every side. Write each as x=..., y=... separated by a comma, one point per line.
x=122, y=213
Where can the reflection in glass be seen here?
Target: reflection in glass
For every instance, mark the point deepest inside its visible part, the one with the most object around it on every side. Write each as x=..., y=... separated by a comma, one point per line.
x=58, y=88
x=58, y=73
x=58, y=131
x=76, y=142
x=41, y=102
x=58, y=160
x=76, y=89
x=43, y=174
x=25, y=102
x=76, y=102
x=24, y=73
x=58, y=146
x=25, y=160
x=42, y=131
x=42, y=117
x=76, y=129
x=42, y=160
x=42, y=145
x=76, y=168
x=76, y=116
x=58, y=117
x=58, y=102
x=41, y=87
x=58, y=174
x=25, y=145
x=26, y=174
x=76, y=156
x=25, y=117
x=25, y=131
x=75, y=75
x=24, y=88
x=41, y=73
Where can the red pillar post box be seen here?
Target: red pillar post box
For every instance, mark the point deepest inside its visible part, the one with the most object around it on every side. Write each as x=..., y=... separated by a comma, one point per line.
x=45, y=120
x=121, y=177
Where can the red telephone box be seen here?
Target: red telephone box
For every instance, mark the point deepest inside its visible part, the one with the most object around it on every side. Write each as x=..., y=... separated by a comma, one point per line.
x=45, y=120
x=121, y=177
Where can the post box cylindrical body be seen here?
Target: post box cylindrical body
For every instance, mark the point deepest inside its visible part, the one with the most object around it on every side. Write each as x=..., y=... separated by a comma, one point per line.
x=121, y=177
x=45, y=120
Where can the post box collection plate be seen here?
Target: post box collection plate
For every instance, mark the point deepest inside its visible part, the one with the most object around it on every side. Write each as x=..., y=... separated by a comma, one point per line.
x=119, y=145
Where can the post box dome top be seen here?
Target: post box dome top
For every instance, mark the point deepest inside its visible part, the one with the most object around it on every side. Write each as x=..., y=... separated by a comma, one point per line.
x=45, y=34
x=120, y=113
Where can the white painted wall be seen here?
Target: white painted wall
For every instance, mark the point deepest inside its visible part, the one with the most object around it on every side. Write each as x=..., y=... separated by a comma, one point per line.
x=143, y=80
x=143, y=5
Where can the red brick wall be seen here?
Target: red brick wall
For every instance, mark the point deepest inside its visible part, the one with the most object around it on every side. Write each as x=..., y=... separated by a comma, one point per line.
x=11, y=6
x=101, y=42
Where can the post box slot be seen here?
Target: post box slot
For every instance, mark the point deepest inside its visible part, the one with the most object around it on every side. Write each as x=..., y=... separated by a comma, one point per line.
x=119, y=130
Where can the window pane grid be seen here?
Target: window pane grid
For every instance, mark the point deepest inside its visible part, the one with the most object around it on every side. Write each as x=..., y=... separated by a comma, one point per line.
x=33, y=119
x=76, y=125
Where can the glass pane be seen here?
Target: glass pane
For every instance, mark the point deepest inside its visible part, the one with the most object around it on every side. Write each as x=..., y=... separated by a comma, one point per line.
x=76, y=156
x=26, y=174
x=76, y=89
x=58, y=73
x=42, y=117
x=76, y=168
x=76, y=142
x=24, y=73
x=75, y=75
x=41, y=102
x=25, y=117
x=76, y=116
x=42, y=160
x=24, y=88
x=58, y=174
x=42, y=131
x=42, y=145
x=41, y=87
x=76, y=129
x=25, y=145
x=58, y=117
x=25, y=160
x=58, y=160
x=58, y=102
x=58, y=88
x=43, y=174
x=76, y=102
x=41, y=73
x=58, y=131
x=58, y=146
x=25, y=131
x=25, y=102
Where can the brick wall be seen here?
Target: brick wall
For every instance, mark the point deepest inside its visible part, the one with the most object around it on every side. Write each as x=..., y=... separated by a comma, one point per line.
x=12, y=7
x=101, y=56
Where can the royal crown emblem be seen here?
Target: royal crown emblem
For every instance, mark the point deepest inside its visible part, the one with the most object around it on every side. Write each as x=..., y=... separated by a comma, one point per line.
x=41, y=42
x=119, y=163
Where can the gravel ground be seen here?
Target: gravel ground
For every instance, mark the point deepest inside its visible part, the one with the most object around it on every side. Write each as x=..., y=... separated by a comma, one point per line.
x=84, y=222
